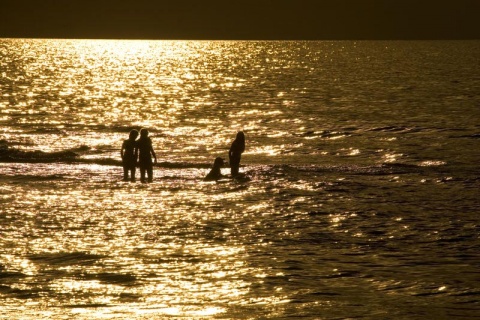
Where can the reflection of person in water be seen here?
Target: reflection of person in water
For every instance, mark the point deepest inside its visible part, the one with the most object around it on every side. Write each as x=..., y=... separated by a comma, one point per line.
x=235, y=153
x=215, y=173
x=144, y=150
x=129, y=158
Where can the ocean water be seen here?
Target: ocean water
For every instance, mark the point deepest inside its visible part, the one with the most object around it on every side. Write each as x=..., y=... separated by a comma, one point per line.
x=361, y=198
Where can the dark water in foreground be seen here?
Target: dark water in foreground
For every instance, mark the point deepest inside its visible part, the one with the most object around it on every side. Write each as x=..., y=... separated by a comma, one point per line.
x=362, y=200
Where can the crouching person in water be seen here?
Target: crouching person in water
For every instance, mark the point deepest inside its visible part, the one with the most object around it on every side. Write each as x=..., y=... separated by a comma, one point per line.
x=215, y=173
x=235, y=153
x=129, y=158
x=144, y=150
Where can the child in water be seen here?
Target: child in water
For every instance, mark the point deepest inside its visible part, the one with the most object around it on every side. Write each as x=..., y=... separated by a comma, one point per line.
x=129, y=158
x=235, y=153
x=144, y=150
x=215, y=173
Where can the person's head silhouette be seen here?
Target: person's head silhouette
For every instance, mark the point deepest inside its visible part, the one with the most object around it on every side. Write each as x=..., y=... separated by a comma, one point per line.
x=143, y=133
x=133, y=134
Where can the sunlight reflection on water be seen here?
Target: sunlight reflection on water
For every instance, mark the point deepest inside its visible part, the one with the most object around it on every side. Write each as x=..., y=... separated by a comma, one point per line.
x=127, y=236
x=359, y=196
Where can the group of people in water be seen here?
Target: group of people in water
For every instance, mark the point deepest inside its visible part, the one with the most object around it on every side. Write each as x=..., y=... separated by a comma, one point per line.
x=140, y=152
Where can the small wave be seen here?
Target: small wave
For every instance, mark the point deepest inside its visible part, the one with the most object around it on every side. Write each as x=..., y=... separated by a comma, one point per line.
x=466, y=293
x=11, y=275
x=82, y=148
x=49, y=130
x=432, y=163
x=86, y=305
x=383, y=169
x=326, y=133
x=471, y=136
x=20, y=293
x=389, y=128
x=328, y=294
x=36, y=156
x=318, y=213
x=4, y=143
x=113, y=278
x=66, y=258
x=8, y=154
x=397, y=129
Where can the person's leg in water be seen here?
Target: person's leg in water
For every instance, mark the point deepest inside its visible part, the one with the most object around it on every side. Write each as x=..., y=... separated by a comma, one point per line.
x=142, y=174
x=125, y=173
x=132, y=172
x=150, y=173
x=235, y=165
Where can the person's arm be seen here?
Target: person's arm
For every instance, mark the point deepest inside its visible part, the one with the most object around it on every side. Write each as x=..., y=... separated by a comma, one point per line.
x=136, y=153
x=230, y=152
x=153, y=154
x=122, y=150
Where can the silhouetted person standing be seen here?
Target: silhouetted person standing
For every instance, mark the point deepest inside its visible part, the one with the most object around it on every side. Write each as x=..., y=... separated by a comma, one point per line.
x=129, y=158
x=235, y=153
x=144, y=150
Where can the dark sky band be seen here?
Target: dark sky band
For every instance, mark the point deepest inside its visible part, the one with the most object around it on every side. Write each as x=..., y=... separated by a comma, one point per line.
x=241, y=20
